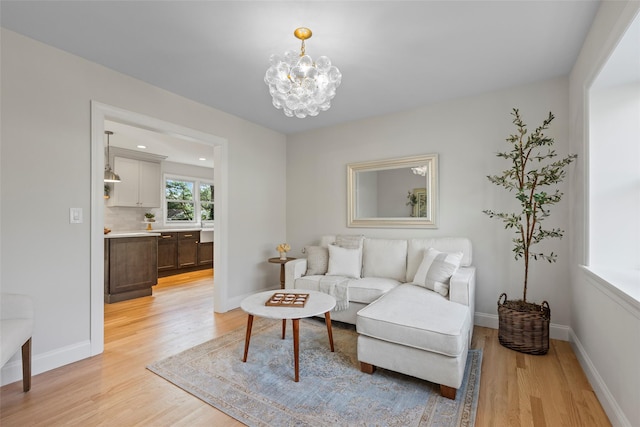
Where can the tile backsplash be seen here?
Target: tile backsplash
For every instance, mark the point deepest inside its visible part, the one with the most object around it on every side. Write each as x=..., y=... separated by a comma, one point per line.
x=128, y=219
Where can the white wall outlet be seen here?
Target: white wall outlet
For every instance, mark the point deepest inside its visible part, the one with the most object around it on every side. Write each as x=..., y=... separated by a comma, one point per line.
x=75, y=215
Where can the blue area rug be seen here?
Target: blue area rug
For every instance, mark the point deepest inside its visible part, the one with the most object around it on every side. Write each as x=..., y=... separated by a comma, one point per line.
x=332, y=391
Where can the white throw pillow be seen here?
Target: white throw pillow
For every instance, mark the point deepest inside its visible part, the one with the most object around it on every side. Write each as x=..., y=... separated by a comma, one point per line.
x=436, y=270
x=317, y=260
x=344, y=262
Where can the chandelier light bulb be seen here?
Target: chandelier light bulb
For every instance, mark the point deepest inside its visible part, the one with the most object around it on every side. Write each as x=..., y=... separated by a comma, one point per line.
x=298, y=85
x=420, y=170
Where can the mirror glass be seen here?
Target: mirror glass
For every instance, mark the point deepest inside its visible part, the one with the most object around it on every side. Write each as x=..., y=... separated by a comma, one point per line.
x=393, y=193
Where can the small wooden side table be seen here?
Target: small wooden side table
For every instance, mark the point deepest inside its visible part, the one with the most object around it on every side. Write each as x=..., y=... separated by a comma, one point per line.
x=282, y=262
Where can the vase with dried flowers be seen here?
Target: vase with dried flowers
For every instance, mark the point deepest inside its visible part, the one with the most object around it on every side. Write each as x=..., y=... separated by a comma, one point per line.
x=283, y=248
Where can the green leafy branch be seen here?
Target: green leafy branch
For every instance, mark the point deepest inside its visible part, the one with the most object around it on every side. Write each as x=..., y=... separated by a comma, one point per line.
x=528, y=183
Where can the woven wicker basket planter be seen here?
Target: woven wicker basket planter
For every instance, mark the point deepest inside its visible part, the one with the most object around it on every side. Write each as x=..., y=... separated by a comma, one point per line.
x=524, y=326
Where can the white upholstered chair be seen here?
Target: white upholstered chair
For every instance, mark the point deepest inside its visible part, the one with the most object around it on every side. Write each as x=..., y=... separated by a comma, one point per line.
x=16, y=328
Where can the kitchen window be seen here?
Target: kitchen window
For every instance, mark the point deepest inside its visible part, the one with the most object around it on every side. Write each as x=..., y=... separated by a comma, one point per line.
x=188, y=200
x=206, y=201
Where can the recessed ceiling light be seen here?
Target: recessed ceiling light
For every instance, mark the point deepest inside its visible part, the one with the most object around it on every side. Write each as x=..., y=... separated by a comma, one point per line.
x=141, y=146
x=202, y=158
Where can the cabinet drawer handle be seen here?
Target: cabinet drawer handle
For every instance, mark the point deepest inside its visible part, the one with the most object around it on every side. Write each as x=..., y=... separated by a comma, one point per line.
x=166, y=237
x=188, y=235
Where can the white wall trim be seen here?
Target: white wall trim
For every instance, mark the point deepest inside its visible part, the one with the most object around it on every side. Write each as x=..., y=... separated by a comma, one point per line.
x=221, y=242
x=556, y=332
x=615, y=293
x=100, y=112
x=12, y=371
x=608, y=402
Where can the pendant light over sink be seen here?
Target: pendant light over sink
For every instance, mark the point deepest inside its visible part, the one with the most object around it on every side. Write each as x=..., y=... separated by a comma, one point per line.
x=109, y=175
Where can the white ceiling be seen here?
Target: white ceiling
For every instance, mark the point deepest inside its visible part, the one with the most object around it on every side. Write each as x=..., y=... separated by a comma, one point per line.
x=394, y=55
x=174, y=149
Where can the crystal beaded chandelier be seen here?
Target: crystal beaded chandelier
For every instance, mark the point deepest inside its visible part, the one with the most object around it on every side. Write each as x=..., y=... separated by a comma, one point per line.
x=300, y=86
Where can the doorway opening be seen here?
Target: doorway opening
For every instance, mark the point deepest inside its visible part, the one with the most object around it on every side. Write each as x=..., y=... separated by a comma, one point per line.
x=101, y=113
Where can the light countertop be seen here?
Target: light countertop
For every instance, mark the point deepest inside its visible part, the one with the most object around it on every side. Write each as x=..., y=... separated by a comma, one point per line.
x=174, y=229
x=171, y=230
x=154, y=232
x=116, y=235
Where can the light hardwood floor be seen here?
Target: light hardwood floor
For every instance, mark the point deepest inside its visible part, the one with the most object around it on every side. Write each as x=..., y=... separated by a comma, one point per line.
x=115, y=389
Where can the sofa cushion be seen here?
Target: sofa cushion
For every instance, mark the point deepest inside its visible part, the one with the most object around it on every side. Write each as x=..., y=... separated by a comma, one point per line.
x=327, y=240
x=436, y=269
x=344, y=262
x=416, y=248
x=385, y=258
x=317, y=260
x=308, y=283
x=369, y=289
x=364, y=291
x=417, y=317
x=350, y=241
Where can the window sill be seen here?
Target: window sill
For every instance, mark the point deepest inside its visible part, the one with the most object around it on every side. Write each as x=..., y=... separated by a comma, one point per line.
x=624, y=284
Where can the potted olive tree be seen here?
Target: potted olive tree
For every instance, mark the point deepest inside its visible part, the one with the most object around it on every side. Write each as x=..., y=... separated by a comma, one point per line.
x=534, y=171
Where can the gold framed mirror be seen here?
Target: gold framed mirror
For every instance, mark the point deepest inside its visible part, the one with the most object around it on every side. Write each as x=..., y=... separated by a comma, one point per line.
x=393, y=193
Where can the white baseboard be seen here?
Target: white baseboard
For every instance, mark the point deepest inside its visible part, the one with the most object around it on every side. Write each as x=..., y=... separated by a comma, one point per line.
x=556, y=332
x=12, y=371
x=486, y=320
x=608, y=402
x=234, y=302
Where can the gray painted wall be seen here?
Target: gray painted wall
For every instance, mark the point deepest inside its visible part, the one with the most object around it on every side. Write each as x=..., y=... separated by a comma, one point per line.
x=46, y=131
x=316, y=202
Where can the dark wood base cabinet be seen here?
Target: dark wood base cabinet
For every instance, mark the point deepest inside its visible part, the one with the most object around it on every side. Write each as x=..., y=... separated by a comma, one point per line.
x=167, y=251
x=131, y=267
x=188, y=248
x=181, y=252
x=205, y=254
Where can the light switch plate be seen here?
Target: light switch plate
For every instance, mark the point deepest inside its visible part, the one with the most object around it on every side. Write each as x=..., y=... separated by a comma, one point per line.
x=75, y=215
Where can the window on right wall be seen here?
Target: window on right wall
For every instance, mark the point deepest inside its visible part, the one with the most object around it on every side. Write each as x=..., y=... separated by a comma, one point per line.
x=614, y=166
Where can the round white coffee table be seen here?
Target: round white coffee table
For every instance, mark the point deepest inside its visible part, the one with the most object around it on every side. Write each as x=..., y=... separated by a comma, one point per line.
x=317, y=303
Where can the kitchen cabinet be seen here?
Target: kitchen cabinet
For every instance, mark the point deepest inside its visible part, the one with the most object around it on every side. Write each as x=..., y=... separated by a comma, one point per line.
x=182, y=251
x=139, y=186
x=188, y=248
x=205, y=254
x=168, y=251
x=131, y=267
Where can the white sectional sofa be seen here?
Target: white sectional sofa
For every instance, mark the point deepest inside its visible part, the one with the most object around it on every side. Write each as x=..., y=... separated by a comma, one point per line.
x=412, y=300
